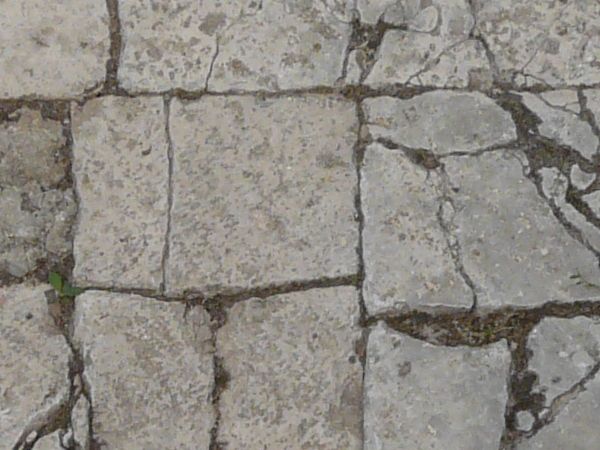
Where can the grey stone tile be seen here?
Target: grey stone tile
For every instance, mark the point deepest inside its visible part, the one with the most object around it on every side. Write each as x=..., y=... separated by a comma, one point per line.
x=121, y=172
x=52, y=51
x=149, y=370
x=418, y=395
x=295, y=380
x=263, y=192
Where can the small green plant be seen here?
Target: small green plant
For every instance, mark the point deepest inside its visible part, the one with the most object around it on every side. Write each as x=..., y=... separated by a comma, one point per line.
x=63, y=288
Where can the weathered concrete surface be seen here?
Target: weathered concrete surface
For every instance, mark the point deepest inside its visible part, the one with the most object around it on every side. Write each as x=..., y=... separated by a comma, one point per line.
x=263, y=192
x=408, y=260
x=512, y=246
x=539, y=42
x=566, y=357
x=34, y=363
x=295, y=379
x=52, y=51
x=37, y=206
x=422, y=396
x=149, y=370
x=429, y=121
x=121, y=171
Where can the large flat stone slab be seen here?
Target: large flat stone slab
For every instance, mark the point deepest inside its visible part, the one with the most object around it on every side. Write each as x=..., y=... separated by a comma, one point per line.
x=34, y=362
x=121, y=172
x=429, y=121
x=295, y=381
x=263, y=192
x=149, y=370
x=407, y=254
x=57, y=51
x=541, y=42
x=419, y=396
x=37, y=207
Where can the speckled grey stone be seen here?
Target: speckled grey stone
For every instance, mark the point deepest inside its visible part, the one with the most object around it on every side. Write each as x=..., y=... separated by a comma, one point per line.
x=34, y=362
x=512, y=245
x=564, y=127
x=36, y=208
x=592, y=97
x=563, y=353
x=57, y=50
x=567, y=99
x=121, y=173
x=282, y=45
x=407, y=257
x=542, y=42
x=49, y=442
x=421, y=396
x=580, y=178
x=429, y=121
x=433, y=49
x=295, y=380
x=263, y=192
x=149, y=370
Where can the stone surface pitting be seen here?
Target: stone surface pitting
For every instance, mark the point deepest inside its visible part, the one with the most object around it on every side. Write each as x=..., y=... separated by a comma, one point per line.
x=121, y=173
x=429, y=121
x=408, y=261
x=539, y=42
x=263, y=192
x=36, y=210
x=149, y=370
x=52, y=51
x=565, y=353
x=418, y=395
x=34, y=362
x=295, y=379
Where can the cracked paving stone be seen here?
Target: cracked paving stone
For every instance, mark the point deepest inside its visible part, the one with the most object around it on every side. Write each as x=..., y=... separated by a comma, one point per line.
x=418, y=395
x=272, y=45
x=512, y=246
x=564, y=353
x=429, y=121
x=295, y=379
x=564, y=127
x=49, y=442
x=542, y=42
x=56, y=51
x=263, y=192
x=121, y=172
x=34, y=363
x=431, y=45
x=407, y=258
x=36, y=210
x=149, y=370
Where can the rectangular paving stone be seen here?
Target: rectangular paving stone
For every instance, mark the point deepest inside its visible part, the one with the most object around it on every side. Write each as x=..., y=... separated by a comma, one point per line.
x=57, y=50
x=263, y=192
x=408, y=259
x=34, y=362
x=295, y=381
x=121, y=169
x=149, y=370
x=421, y=396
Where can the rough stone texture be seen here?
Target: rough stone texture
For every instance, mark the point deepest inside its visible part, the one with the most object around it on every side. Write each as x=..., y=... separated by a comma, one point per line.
x=592, y=97
x=513, y=247
x=49, y=442
x=564, y=353
x=408, y=261
x=580, y=178
x=121, y=171
x=433, y=48
x=564, y=127
x=149, y=369
x=567, y=99
x=263, y=192
x=422, y=396
x=34, y=362
x=36, y=209
x=295, y=380
x=80, y=422
x=52, y=51
x=542, y=42
x=282, y=45
x=429, y=121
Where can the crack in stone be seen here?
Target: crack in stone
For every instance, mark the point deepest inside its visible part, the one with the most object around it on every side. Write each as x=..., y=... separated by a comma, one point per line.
x=212, y=63
x=111, y=83
x=167, y=247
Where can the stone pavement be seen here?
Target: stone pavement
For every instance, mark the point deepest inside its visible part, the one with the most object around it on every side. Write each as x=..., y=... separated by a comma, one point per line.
x=299, y=224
